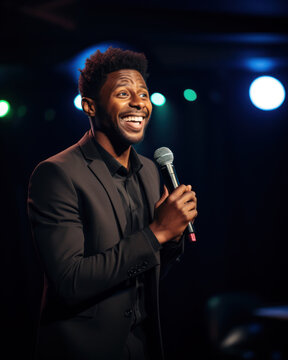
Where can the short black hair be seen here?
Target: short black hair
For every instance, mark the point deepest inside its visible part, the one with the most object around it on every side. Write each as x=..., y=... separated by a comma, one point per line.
x=98, y=65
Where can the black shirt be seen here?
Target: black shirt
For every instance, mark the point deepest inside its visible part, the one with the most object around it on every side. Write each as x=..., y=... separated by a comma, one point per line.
x=136, y=209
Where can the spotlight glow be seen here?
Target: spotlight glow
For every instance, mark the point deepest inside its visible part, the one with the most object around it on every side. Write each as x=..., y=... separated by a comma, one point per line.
x=260, y=64
x=158, y=99
x=73, y=65
x=267, y=93
x=77, y=102
x=4, y=108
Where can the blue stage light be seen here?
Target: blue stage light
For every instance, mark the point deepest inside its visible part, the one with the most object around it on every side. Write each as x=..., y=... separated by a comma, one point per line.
x=77, y=102
x=73, y=65
x=261, y=64
x=267, y=93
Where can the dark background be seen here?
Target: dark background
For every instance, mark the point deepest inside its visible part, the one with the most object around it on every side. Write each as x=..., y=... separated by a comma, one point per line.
x=234, y=155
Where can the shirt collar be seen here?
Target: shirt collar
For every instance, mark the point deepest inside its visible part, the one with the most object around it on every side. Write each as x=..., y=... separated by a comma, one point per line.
x=115, y=167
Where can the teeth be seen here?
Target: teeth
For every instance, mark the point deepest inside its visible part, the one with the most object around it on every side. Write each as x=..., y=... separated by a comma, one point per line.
x=133, y=118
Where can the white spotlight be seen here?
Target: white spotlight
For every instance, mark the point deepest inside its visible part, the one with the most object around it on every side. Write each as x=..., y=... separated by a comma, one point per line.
x=267, y=93
x=77, y=102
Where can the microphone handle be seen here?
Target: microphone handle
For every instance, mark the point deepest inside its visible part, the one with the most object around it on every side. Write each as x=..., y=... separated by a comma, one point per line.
x=172, y=182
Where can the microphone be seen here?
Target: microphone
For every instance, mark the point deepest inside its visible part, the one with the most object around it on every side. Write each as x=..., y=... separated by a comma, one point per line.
x=164, y=158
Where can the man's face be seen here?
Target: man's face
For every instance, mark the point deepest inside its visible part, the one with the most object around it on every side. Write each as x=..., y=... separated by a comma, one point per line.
x=124, y=107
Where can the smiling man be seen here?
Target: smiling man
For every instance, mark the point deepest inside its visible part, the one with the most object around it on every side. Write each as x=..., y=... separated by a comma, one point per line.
x=102, y=231
x=120, y=117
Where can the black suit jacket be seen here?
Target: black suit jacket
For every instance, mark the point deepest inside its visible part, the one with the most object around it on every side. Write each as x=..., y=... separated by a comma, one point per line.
x=78, y=222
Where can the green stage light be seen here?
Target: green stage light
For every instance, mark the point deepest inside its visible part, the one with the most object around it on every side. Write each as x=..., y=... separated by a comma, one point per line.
x=4, y=108
x=190, y=95
x=158, y=99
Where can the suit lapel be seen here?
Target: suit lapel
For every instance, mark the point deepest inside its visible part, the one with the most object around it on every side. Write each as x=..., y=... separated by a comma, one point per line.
x=100, y=170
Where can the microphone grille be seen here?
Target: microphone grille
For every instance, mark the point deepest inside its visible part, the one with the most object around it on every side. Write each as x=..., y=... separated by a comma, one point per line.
x=163, y=156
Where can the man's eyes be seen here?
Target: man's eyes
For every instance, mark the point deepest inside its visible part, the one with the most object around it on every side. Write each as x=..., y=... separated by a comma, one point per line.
x=126, y=93
x=122, y=93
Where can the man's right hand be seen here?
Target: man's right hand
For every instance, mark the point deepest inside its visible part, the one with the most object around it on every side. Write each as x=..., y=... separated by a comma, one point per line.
x=173, y=213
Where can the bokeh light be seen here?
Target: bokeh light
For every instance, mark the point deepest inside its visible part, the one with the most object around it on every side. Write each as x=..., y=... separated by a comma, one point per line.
x=190, y=95
x=267, y=93
x=77, y=102
x=4, y=108
x=158, y=99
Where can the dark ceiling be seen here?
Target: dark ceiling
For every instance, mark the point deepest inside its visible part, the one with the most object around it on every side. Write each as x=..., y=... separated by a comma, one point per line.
x=52, y=31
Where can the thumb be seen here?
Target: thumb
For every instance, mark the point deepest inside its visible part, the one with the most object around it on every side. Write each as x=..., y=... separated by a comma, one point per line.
x=163, y=197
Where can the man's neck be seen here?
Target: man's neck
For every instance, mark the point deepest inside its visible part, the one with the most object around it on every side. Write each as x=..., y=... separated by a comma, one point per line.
x=120, y=153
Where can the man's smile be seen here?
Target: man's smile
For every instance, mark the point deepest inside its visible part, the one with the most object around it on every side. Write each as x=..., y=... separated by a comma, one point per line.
x=133, y=118
x=132, y=122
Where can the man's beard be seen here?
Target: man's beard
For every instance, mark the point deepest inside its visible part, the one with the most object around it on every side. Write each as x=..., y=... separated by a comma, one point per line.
x=119, y=137
x=114, y=132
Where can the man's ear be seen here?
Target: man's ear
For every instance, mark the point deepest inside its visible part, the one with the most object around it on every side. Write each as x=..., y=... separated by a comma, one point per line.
x=89, y=106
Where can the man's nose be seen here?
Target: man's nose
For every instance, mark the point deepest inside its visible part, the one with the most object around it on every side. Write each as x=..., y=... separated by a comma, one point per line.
x=136, y=101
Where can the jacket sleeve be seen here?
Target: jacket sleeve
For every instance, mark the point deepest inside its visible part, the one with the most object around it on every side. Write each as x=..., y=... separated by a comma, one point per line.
x=57, y=229
x=170, y=255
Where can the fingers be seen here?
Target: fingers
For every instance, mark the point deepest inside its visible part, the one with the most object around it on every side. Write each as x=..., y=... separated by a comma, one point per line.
x=186, y=200
x=189, y=206
x=165, y=191
x=163, y=197
x=173, y=212
x=179, y=191
x=183, y=194
x=188, y=196
x=183, y=197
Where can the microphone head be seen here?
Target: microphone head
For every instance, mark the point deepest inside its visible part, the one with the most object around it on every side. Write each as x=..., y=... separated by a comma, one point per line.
x=163, y=156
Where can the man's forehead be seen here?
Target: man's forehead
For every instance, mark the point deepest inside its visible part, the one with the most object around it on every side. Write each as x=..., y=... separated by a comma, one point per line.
x=126, y=75
x=120, y=78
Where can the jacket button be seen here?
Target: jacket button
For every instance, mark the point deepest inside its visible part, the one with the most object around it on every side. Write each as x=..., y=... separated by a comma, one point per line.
x=128, y=313
x=131, y=272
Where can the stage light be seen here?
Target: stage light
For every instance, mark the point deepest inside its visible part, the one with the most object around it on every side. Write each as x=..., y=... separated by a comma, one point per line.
x=77, y=102
x=190, y=95
x=4, y=108
x=158, y=99
x=73, y=65
x=261, y=64
x=267, y=93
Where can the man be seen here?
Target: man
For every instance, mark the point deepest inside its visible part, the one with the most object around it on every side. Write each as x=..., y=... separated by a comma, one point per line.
x=98, y=237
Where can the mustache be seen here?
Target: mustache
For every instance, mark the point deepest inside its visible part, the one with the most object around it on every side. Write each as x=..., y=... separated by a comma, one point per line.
x=134, y=113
